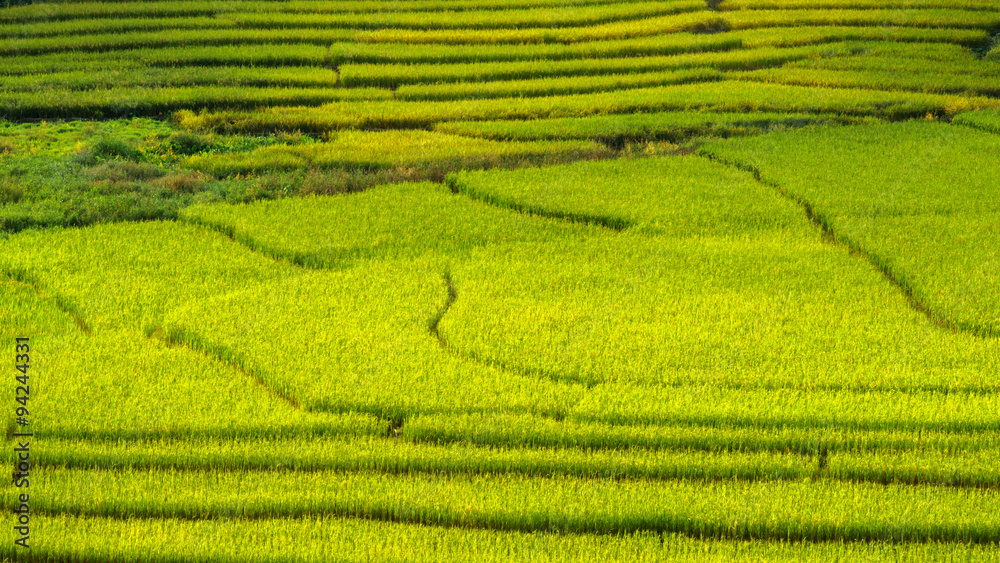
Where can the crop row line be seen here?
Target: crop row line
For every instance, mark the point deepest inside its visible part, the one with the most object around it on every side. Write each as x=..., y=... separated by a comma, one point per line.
x=68, y=11
x=820, y=510
x=63, y=304
x=488, y=20
x=388, y=456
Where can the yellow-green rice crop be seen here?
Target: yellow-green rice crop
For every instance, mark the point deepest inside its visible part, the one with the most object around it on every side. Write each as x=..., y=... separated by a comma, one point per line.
x=986, y=120
x=147, y=277
x=319, y=539
x=810, y=35
x=430, y=152
x=436, y=53
x=732, y=290
x=172, y=38
x=805, y=510
x=395, y=74
x=775, y=348
x=881, y=80
x=672, y=126
x=368, y=452
x=245, y=55
x=114, y=383
x=166, y=9
x=387, y=222
x=553, y=86
x=819, y=410
x=135, y=76
x=57, y=103
x=677, y=196
x=714, y=436
x=369, y=348
x=855, y=4
x=937, y=244
x=691, y=21
x=730, y=95
x=745, y=19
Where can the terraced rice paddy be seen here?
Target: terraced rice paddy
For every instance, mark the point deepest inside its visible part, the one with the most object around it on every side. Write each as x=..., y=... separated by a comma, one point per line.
x=470, y=280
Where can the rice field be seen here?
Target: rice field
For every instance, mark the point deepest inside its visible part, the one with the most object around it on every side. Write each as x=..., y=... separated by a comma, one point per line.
x=471, y=280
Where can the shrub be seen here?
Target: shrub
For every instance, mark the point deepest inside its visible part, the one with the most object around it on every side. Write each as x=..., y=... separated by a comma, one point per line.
x=189, y=143
x=109, y=149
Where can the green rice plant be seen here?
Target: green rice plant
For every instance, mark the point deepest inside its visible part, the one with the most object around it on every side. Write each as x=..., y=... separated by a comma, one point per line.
x=815, y=409
x=389, y=455
x=165, y=392
x=818, y=34
x=63, y=536
x=29, y=309
x=672, y=126
x=401, y=221
x=671, y=44
x=135, y=76
x=382, y=357
x=79, y=388
x=855, y=4
x=917, y=58
x=552, y=86
x=121, y=102
x=172, y=38
x=277, y=55
x=690, y=21
x=529, y=309
x=392, y=456
x=676, y=196
x=963, y=471
x=391, y=75
x=941, y=67
x=986, y=120
x=375, y=352
x=920, y=71
x=930, y=82
x=431, y=152
x=798, y=511
x=556, y=18
x=524, y=431
x=161, y=9
x=933, y=241
x=59, y=11
x=725, y=96
x=151, y=278
x=99, y=26
x=83, y=390
x=946, y=18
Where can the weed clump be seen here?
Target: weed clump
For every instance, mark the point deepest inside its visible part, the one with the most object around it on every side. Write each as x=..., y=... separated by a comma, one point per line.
x=182, y=183
x=105, y=149
x=185, y=143
x=117, y=172
x=11, y=192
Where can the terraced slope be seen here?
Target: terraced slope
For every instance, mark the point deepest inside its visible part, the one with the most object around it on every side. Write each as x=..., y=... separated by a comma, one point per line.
x=588, y=332
x=379, y=62
x=671, y=352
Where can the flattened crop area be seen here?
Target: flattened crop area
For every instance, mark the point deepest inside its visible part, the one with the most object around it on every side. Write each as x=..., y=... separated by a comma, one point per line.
x=470, y=280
